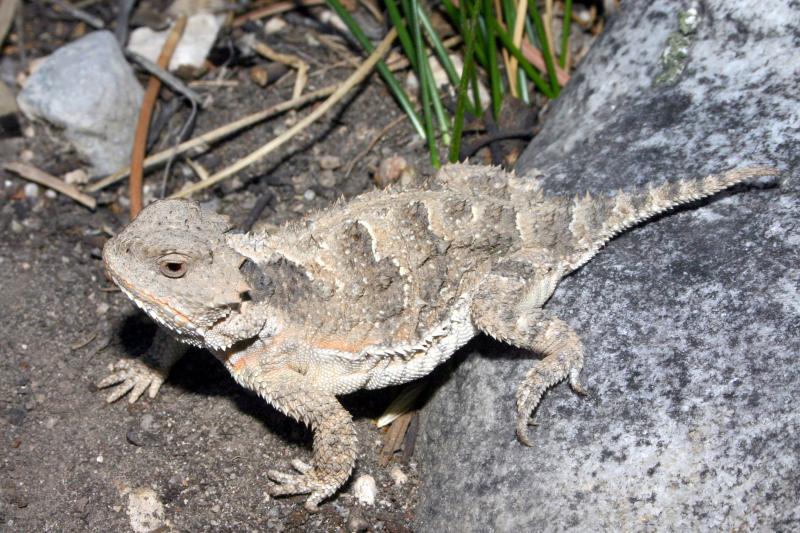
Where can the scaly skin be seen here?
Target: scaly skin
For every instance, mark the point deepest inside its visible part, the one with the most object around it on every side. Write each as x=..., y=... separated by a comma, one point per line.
x=375, y=292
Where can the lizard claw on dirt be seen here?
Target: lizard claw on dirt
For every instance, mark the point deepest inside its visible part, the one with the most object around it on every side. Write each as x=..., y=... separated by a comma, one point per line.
x=134, y=376
x=303, y=483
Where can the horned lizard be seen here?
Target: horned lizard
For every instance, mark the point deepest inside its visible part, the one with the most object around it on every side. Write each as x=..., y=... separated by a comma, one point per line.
x=374, y=292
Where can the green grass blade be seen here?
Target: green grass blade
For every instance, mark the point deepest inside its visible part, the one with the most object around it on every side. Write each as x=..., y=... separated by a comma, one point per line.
x=394, y=86
x=402, y=33
x=546, y=52
x=562, y=58
x=467, y=75
x=424, y=83
x=438, y=46
x=496, y=90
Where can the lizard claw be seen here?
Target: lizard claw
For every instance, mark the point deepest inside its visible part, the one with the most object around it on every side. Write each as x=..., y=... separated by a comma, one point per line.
x=303, y=483
x=134, y=376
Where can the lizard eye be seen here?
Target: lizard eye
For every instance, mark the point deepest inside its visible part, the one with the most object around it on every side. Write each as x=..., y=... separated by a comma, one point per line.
x=173, y=266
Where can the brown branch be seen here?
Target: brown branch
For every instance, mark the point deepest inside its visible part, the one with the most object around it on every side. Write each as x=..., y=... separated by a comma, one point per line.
x=145, y=113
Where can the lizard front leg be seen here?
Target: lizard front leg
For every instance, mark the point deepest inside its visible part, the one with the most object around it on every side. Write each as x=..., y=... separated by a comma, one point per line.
x=335, y=440
x=146, y=373
x=501, y=308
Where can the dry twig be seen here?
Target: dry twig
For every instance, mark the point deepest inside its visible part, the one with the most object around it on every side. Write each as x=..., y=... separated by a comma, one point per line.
x=357, y=77
x=274, y=9
x=145, y=113
x=35, y=175
x=79, y=14
x=359, y=156
x=288, y=60
x=202, y=142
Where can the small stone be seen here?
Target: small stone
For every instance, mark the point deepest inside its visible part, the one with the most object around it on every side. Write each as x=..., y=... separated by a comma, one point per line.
x=356, y=523
x=102, y=308
x=145, y=510
x=365, y=489
x=390, y=170
x=309, y=195
x=28, y=132
x=327, y=179
x=16, y=227
x=147, y=422
x=26, y=156
x=50, y=193
x=259, y=75
x=398, y=476
x=31, y=190
x=329, y=162
x=76, y=177
x=135, y=437
x=274, y=25
x=99, y=459
x=195, y=44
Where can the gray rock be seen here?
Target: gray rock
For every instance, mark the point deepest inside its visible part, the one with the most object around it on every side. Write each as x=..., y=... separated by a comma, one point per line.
x=690, y=322
x=88, y=89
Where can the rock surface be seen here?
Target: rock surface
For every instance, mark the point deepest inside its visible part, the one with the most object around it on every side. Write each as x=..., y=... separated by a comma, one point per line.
x=690, y=322
x=88, y=89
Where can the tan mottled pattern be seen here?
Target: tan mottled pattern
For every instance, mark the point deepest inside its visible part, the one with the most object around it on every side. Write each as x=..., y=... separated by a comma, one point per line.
x=374, y=292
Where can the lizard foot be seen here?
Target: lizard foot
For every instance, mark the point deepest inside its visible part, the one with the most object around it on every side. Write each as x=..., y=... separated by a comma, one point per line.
x=134, y=376
x=531, y=390
x=303, y=483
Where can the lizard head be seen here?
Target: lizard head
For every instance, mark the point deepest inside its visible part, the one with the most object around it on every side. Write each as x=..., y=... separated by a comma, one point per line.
x=174, y=263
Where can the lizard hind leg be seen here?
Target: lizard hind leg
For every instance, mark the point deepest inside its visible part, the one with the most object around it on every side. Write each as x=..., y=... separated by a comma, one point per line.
x=499, y=310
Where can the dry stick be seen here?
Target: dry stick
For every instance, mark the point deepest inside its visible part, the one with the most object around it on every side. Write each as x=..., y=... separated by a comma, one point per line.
x=519, y=25
x=506, y=56
x=146, y=111
x=357, y=77
x=288, y=60
x=274, y=9
x=35, y=175
x=214, y=135
x=386, y=129
x=79, y=14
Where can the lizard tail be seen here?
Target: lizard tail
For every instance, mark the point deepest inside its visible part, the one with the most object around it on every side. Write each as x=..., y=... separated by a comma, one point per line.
x=597, y=221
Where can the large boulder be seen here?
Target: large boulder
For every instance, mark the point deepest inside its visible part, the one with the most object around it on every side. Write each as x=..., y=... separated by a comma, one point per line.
x=691, y=323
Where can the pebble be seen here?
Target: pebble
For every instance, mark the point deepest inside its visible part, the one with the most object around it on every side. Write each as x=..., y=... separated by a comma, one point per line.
x=76, y=177
x=398, y=476
x=102, y=308
x=145, y=510
x=309, y=195
x=356, y=522
x=274, y=25
x=51, y=194
x=16, y=227
x=26, y=156
x=327, y=179
x=329, y=162
x=390, y=170
x=365, y=489
x=31, y=190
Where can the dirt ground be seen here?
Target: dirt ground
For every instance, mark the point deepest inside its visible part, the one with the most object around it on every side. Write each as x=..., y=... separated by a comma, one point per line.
x=71, y=462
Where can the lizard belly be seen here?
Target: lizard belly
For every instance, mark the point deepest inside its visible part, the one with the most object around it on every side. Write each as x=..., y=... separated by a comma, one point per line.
x=383, y=366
